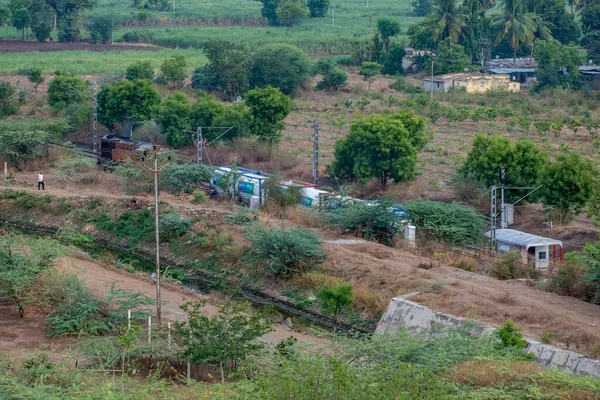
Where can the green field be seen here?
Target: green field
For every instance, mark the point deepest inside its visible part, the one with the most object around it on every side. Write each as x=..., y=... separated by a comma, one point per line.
x=92, y=62
x=353, y=22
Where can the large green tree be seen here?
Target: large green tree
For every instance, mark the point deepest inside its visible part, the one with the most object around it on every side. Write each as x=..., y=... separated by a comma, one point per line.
x=9, y=100
x=140, y=70
x=568, y=184
x=68, y=13
x=280, y=65
x=558, y=64
x=522, y=160
x=290, y=12
x=448, y=19
x=268, y=11
x=67, y=89
x=590, y=21
x=381, y=146
x=127, y=102
x=387, y=28
x=226, y=71
x=450, y=57
x=268, y=109
x=175, y=119
x=318, y=8
x=174, y=70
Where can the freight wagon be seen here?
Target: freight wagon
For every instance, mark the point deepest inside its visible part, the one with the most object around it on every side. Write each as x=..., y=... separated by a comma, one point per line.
x=117, y=148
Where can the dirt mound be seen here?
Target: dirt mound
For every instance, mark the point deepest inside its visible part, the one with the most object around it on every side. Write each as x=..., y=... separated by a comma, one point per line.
x=23, y=46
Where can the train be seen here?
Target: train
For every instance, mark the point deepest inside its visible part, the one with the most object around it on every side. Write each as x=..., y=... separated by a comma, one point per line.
x=249, y=187
x=119, y=148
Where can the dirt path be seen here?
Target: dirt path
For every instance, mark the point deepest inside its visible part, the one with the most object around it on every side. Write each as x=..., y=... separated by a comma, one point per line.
x=99, y=277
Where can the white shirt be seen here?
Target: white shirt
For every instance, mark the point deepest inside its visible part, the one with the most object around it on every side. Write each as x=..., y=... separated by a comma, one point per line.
x=41, y=178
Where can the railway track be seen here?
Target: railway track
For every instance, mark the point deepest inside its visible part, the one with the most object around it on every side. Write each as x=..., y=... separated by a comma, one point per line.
x=78, y=150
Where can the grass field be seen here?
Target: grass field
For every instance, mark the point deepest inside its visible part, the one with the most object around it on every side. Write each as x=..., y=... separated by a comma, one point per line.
x=353, y=22
x=85, y=62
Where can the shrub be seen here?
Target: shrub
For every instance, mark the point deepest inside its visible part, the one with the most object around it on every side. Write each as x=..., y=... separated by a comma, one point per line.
x=243, y=216
x=185, y=177
x=172, y=226
x=453, y=223
x=373, y=222
x=78, y=170
x=285, y=252
x=199, y=197
x=79, y=115
x=140, y=70
x=41, y=32
x=281, y=66
x=100, y=29
x=135, y=226
x=548, y=337
x=510, y=336
x=511, y=266
x=333, y=300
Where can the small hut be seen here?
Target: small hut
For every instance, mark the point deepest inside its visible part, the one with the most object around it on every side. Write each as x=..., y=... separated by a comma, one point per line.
x=534, y=249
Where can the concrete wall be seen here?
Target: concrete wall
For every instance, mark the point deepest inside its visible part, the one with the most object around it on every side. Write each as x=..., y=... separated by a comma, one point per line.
x=402, y=313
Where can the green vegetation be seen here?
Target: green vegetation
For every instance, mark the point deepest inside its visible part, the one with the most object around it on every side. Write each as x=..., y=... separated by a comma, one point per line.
x=284, y=252
x=84, y=62
x=510, y=335
x=381, y=146
x=333, y=300
x=65, y=90
x=177, y=178
x=268, y=109
x=174, y=71
x=453, y=223
x=281, y=66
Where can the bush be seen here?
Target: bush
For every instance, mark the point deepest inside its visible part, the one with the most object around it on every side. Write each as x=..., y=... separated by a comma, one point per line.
x=373, y=222
x=243, y=216
x=511, y=267
x=285, y=252
x=172, y=226
x=79, y=115
x=510, y=336
x=100, y=29
x=41, y=32
x=281, y=66
x=140, y=70
x=135, y=226
x=333, y=300
x=402, y=85
x=199, y=197
x=452, y=223
x=185, y=177
x=64, y=90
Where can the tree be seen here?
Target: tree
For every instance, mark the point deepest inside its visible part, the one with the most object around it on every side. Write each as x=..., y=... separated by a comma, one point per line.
x=333, y=300
x=557, y=64
x=590, y=21
x=140, y=70
x=392, y=64
x=268, y=11
x=568, y=184
x=281, y=66
x=381, y=146
x=290, y=12
x=226, y=71
x=541, y=29
x=318, y=8
x=369, y=71
x=451, y=57
x=514, y=24
x=268, y=109
x=127, y=102
x=387, y=28
x=9, y=100
x=66, y=89
x=175, y=119
x=18, y=146
x=21, y=20
x=174, y=70
x=224, y=339
x=421, y=8
x=4, y=15
x=448, y=20
x=67, y=15
x=100, y=29
x=36, y=77
x=522, y=160
x=333, y=77
x=41, y=32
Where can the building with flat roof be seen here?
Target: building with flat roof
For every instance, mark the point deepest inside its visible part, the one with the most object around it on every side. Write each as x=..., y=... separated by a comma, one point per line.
x=534, y=249
x=470, y=82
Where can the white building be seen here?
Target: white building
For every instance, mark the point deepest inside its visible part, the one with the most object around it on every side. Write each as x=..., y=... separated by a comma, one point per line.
x=533, y=249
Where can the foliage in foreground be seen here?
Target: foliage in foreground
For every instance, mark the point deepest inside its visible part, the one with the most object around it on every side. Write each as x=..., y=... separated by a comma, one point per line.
x=453, y=223
x=284, y=251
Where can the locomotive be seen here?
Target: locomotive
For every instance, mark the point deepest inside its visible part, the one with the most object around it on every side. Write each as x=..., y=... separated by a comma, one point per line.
x=118, y=148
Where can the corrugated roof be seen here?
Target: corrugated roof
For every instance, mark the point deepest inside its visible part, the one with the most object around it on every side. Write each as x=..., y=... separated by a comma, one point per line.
x=522, y=239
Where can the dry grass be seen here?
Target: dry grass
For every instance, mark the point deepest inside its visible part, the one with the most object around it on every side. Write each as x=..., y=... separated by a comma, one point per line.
x=506, y=299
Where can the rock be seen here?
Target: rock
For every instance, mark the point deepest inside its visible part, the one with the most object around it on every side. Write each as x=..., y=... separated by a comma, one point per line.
x=287, y=322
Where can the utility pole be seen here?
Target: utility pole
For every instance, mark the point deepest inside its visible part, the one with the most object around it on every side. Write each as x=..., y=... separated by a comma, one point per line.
x=200, y=142
x=503, y=219
x=95, y=126
x=493, y=215
x=156, y=171
x=431, y=87
x=316, y=153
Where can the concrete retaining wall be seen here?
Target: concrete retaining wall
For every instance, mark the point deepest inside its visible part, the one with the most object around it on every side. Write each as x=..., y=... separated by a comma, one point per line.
x=402, y=313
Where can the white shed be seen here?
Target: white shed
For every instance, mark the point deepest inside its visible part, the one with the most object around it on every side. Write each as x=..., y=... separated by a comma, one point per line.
x=533, y=248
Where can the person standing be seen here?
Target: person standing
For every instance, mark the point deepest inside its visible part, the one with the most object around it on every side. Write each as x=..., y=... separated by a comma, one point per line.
x=41, y=181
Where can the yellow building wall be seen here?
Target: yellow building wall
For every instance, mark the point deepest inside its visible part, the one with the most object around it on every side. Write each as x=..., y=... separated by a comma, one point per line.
x=482, y=84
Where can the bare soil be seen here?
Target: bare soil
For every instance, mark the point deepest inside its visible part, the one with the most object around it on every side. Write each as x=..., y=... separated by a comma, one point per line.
x=24, y=46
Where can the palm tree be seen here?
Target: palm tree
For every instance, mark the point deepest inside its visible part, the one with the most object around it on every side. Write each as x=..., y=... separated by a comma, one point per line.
x=541, y=29
x=515, y=23
x=448, y=19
